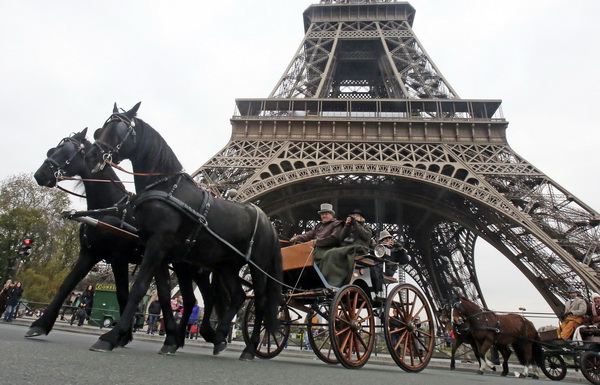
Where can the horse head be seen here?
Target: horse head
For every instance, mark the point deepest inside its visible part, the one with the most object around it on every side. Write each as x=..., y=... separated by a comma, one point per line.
x=116, y=140
x=66, y=159
x=445, y=316
x=461, y=311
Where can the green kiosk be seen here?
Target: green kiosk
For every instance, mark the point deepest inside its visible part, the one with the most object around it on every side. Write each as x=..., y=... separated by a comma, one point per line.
x=105, y=310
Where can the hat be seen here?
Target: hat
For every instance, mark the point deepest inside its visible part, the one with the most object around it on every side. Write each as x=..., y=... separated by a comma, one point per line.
x=356, y=211
x=595, y=295
x=326, y=208
x=384, y=234
x=572, y=289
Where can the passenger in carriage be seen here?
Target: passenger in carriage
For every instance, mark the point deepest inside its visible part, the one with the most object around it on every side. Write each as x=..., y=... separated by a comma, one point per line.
x=575, y=309
x=593, y=314
x=397, y=253
x=337, y=264
x=591, y=319
x=337, y=242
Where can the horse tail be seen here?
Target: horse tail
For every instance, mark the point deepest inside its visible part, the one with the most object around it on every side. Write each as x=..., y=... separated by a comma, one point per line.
x=267, y=273
x=537, y=351
x=273, y=286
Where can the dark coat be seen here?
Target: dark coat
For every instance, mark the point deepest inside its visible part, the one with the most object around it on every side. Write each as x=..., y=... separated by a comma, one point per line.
x=87, y=298
x=326, y=234
x=14, y=294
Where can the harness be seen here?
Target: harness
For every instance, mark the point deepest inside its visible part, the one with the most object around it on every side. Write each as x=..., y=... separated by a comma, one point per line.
x=199, y=216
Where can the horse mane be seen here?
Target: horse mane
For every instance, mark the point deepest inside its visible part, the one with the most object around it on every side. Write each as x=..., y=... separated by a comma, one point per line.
x=157, y=146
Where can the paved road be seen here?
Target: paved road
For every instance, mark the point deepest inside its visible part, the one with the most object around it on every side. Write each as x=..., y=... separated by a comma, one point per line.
x=63, y=358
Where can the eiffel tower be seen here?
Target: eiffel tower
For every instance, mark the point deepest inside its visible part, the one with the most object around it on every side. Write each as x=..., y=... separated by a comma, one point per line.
x=363, y=118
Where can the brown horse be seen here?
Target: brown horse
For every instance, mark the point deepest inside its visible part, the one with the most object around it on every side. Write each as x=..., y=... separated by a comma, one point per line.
x=487, y=329
x=462, y=335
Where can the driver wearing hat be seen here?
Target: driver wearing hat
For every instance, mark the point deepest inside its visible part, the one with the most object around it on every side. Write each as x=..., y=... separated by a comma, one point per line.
x=575, y=309
x=326, y=233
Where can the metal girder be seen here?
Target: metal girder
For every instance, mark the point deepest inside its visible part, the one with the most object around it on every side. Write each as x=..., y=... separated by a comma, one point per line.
x=362, y=117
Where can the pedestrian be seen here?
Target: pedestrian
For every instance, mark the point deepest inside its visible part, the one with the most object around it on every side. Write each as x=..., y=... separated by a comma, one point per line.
x=68, y=305
x=153, y=315
x=193, y=322
x=14, y=294
x=86, y=302
x=4, y=295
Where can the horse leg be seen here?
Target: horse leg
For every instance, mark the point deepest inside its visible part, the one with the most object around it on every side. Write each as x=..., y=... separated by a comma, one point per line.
x=482, y=350
x=202, y=279
x=455, y=345
x=120, y=268
x=163, y=288
x=229, y=283
x=184, y=276
x=45, y=323
x=505, y=351
x=152, y=259
x=267, y=292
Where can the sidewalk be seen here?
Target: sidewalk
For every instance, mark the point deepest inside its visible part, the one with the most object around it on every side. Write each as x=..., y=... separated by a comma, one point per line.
x=292, y=351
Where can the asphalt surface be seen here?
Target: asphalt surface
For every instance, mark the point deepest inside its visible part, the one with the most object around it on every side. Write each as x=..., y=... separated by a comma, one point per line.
x=292, y=352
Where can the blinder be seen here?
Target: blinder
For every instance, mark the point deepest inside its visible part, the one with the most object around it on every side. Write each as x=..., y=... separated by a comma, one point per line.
x=57, y=167
x=123, y=129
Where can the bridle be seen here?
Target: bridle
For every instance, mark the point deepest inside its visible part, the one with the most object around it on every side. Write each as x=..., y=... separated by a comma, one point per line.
x=107, y=150
x=56, y=167
x=471, y=321
x=59, y=170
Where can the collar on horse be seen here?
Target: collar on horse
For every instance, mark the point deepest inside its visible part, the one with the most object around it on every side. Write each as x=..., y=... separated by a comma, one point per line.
x=199, y=216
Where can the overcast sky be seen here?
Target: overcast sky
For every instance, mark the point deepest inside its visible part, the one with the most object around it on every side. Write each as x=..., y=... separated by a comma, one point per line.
x=64, y=64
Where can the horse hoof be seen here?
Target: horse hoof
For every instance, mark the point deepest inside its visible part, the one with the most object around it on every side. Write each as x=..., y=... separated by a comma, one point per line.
x=245, y=356
x=168, y=349
x=493, y=368
x=219, y=348
x=535, y=377
x=480, y=372
x=35, y=331
x=101, y=346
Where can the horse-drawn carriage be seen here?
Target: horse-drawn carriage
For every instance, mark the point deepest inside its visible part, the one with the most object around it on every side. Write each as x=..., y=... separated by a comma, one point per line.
x=581, y=355
x=342, y=323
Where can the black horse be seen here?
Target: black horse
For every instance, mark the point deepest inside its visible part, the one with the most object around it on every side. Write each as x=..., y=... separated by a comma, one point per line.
x=104, y=190
x=179, y=219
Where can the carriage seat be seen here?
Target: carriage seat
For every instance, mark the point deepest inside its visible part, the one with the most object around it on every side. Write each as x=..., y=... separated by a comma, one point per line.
x=299, y=268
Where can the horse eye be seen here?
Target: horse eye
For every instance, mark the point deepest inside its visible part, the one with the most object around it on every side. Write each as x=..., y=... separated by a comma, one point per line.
x=49, y=153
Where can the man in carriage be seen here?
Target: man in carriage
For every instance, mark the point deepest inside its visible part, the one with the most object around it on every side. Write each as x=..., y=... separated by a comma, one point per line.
x=337, y=243
x=575, y=309
x=396, y=254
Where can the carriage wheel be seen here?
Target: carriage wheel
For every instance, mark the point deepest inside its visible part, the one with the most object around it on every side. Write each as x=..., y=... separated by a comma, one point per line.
x=408, y=328
x=590, y=366
x=271, y=344
x=352, y=327
x=554, y=367
x=318, y=336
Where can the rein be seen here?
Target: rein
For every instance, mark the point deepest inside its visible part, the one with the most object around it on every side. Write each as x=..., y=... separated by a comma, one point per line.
x=70, y=192
x=114, y=165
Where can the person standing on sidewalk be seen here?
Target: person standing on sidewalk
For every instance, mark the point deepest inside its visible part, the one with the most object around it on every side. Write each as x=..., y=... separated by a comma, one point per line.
x=14, y=294
x=153, y=315
x=86, y=301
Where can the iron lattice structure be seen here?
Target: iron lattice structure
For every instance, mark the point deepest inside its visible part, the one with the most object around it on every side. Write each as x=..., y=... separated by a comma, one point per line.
x=363, y=118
